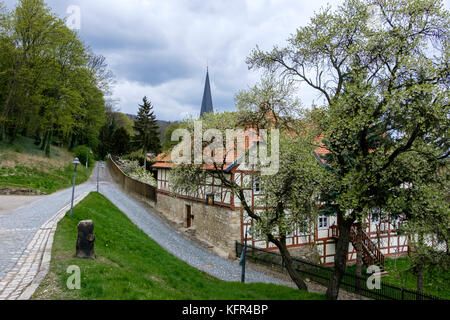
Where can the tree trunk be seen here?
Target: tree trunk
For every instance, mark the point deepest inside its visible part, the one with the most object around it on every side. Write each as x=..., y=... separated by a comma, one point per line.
x=7, y=104
x=44, y=140
x=287, y=259
x=145, y=160
x=419, y=270
x=49, y=142
x=359, y=259
x=340, y=257
x=72, y=141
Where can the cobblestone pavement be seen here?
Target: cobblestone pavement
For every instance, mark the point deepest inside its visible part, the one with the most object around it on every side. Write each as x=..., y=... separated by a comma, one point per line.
x=26, y=232
x=10, y=203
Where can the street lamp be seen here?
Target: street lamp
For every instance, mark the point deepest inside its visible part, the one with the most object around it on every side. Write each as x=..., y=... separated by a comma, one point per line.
x=101, y=165
x=87, y=158
x=243, y=254
x=75, y=162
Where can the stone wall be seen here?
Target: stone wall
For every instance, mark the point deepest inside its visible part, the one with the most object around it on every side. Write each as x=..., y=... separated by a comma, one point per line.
x=307, y=252
x=216, y=225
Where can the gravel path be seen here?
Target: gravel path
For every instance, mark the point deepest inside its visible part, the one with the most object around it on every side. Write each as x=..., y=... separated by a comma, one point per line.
x=177, y=243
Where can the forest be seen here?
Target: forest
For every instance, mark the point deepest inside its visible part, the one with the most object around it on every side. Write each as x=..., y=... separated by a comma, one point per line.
x=53, y=87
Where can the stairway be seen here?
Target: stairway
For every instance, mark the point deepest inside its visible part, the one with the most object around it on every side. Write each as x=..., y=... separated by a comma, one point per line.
x=371, y=255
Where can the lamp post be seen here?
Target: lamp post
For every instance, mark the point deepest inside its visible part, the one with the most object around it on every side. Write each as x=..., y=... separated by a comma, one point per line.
x=87, y=158
x=75, y=162
x=100, y=165
x=243, y=254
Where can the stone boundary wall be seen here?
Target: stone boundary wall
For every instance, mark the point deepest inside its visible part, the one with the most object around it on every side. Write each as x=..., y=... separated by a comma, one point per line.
x=129, y=184
x=218, y=226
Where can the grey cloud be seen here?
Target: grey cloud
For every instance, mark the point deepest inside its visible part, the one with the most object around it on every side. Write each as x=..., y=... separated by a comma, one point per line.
x=160, y=48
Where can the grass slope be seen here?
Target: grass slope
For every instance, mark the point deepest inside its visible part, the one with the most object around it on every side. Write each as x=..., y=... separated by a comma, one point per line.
x=24, y=165
x=436, y=281
x=130, y=265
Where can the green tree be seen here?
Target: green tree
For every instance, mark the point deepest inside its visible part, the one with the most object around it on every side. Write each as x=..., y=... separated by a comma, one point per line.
x=289, y=196
x=120, y=142
x=122, y=120
x=424, y=203
x=28, y=30
x=147, y=130
x=168, y=144
x=50, y=88
x=382, y=70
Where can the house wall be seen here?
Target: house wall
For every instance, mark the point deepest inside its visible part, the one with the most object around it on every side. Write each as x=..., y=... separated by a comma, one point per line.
x=225, y=222
x=218, y=225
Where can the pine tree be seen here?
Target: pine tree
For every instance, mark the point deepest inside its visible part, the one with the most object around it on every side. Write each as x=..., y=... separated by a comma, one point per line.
x=147, y=129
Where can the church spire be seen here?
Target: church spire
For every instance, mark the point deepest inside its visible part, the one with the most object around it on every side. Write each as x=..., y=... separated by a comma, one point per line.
x=207, y=99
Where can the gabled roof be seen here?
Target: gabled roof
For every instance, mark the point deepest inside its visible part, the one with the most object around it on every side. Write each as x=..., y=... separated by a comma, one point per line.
x=164, y=160
x=207, y=105
x=232, y=160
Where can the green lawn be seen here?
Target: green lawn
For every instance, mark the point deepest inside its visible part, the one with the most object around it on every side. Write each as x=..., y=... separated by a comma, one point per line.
x=130, y=265
x=24, y=165
x=436, y=282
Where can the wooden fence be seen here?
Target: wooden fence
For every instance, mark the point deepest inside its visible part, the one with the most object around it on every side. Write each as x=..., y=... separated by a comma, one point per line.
x=129, y=184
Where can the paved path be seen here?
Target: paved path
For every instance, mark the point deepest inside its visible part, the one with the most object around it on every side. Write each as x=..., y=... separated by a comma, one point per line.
x=26, y=234
x=10, y=203
x=26, y=237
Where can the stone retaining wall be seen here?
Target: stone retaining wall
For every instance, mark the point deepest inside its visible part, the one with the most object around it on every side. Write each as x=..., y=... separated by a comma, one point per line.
x=218, y=226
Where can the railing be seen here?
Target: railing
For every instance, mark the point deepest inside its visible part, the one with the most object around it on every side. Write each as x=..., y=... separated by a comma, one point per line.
x=130, y=184
x=334, y=231
x=371, y=254
x=320, y=274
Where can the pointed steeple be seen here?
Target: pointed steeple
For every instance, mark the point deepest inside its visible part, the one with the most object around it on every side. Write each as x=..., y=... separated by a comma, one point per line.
x=207, y=99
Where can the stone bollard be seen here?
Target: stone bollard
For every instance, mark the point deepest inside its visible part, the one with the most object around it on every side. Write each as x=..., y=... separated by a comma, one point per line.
x=86, y=238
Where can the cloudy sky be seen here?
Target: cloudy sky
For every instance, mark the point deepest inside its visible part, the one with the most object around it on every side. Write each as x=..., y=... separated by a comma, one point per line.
x=160, y=48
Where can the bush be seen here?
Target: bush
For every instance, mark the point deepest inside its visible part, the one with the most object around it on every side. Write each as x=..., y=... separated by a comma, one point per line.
x=143, y=175
x=128, y=166
x=139, y=157
x=137, y=172
x=81, y=152
x=135, y=156
x=18, y=148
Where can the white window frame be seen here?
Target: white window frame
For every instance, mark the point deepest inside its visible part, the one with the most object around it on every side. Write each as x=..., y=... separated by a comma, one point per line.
x=256, y=180
x=378, y=218
x=319, y=222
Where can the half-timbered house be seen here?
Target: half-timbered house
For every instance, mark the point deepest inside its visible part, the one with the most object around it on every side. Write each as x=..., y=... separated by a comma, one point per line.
x=217, y=216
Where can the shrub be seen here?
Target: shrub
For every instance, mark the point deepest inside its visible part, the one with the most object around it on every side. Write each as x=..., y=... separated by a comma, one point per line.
x=18, y=148
x=143, y=175
x=135, y=156
x=134, y=170
x=81, y=152
x=128, y=166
